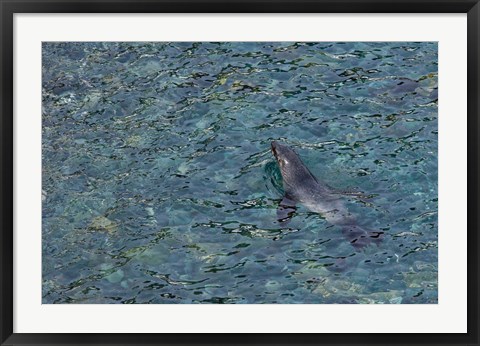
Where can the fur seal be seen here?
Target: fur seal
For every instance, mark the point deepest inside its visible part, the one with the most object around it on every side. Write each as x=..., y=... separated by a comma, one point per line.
x=301, y=186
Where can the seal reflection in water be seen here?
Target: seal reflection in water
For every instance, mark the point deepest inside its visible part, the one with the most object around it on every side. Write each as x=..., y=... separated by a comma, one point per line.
x=301, y=186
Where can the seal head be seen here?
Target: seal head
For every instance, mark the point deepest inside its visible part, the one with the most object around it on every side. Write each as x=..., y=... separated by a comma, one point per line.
x=296, y=176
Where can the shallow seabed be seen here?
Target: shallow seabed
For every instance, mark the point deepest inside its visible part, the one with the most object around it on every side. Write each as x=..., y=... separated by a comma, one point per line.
x=159, y=185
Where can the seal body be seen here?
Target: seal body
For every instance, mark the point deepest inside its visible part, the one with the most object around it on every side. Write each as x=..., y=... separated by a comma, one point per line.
x=301, y=186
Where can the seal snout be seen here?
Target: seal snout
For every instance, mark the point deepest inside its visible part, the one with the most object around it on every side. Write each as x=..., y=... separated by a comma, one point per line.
x=274, y=148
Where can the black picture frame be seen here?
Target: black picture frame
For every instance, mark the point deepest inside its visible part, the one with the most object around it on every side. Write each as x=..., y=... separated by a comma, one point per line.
x=9, y=7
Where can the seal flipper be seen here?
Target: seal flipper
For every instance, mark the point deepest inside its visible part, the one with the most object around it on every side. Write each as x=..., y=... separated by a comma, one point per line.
x=351, y=193
x=285, y=210
x=360, y=238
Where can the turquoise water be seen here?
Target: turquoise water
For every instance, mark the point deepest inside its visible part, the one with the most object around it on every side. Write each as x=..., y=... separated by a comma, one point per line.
x=159, y=185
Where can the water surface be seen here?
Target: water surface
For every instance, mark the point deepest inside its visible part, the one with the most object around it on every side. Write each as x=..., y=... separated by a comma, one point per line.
x=159, y=185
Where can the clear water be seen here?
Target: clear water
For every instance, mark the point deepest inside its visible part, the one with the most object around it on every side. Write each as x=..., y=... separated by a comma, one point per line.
x=159, y=185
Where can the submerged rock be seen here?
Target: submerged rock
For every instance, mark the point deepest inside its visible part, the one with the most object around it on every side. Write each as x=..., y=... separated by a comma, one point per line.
x=103, y=224
x=115, y=277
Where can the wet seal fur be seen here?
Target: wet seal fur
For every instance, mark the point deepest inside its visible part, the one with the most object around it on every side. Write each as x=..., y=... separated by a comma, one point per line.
x=301, y=186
